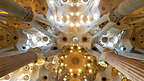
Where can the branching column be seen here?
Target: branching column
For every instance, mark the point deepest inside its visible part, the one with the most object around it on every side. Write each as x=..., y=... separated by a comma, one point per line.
x=11, y=63
x=131, y=68
x=125, y=8
x=16, y=10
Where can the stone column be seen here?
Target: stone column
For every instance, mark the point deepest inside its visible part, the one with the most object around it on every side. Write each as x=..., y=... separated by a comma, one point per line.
x=131, y=68
x=16, y=10
x=125, y=8
x=11, y=63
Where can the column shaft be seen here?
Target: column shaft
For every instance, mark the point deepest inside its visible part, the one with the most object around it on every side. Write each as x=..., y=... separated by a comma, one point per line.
x=16, y=10
x=131, y=68
x=125, y=8
x=11, y=63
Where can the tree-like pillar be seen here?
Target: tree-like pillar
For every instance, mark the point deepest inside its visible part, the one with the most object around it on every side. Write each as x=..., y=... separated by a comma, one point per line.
x=11, y=63
x=16, y=10
x=131, y=68
x=126, y=7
